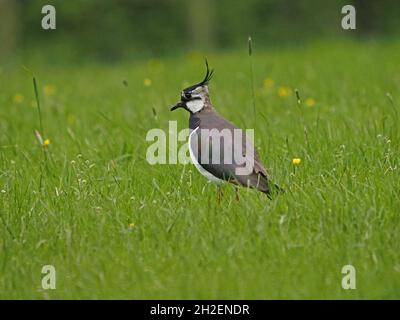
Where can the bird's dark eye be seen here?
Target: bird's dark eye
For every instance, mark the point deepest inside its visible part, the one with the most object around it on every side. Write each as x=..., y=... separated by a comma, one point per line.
x=187, y=95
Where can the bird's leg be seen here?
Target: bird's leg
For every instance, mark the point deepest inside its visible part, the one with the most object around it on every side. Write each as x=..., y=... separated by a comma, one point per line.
x=237, y=197
x=220, y=194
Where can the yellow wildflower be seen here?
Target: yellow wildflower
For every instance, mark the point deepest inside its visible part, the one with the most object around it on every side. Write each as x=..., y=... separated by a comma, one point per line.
x=71, y=119
x=46, y=142
x=268, y=83
x=310, y=102
x=296, y=161
x=283, y=92
x=147, y=82
x=18, y=98
x=49, y=90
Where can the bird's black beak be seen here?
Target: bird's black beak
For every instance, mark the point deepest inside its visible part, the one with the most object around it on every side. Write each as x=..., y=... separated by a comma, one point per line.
x=180, y=104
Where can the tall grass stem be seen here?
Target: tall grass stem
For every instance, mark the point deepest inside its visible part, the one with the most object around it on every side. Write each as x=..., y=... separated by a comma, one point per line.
x=250, y=51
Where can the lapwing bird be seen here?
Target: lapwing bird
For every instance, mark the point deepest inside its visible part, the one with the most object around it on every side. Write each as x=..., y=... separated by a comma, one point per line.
x=205, y=119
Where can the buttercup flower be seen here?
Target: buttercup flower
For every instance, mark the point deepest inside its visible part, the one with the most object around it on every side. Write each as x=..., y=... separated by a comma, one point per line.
x=268, y=83
x=46, y=142
x=71, y=119
x=296, y=161
x=49, y=90
x=147, y=82
x=18, y=98
x=283, y=92
x=310, y=102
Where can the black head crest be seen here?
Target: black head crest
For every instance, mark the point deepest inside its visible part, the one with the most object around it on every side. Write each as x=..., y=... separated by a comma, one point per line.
x=208, y=75
x=207, y=78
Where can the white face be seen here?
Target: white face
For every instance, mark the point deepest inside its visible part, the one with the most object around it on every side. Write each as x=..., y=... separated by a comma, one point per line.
x=195, y=105
x=197, y=99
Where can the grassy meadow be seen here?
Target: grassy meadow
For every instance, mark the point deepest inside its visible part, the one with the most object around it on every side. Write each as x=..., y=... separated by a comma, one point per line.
x=113, y=226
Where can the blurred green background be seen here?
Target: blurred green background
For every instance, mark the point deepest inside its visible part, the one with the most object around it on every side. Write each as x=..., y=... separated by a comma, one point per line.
x=109, y=31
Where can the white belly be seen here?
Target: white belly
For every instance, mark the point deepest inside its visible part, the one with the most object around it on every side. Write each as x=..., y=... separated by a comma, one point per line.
x=203, y=171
